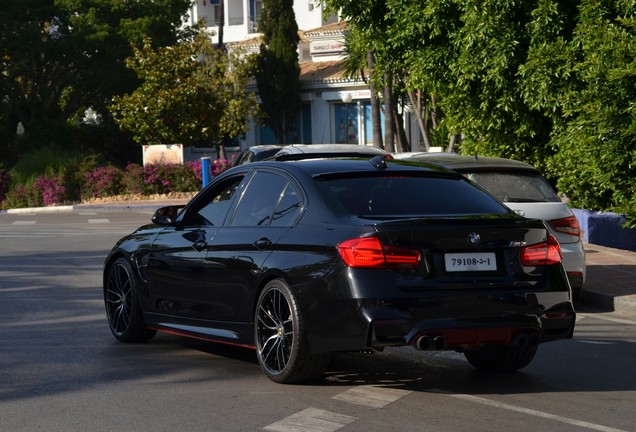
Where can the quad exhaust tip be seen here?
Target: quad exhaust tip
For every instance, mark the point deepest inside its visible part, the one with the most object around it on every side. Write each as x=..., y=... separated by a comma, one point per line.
x=428, y=343
x=439, y=342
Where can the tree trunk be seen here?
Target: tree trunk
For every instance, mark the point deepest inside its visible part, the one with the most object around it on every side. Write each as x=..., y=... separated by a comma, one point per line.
x=376, y=117
x=402, y=140
x=422, y=117
x=221, y=45
x=389, y=129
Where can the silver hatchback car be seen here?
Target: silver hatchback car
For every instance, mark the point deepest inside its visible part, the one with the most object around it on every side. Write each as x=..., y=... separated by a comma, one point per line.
x=522, y=188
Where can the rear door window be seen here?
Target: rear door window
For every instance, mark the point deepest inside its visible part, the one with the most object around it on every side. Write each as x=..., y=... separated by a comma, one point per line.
x=270, y=199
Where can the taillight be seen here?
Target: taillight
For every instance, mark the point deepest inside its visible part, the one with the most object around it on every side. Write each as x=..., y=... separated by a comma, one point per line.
x=569, y=225
x=546, y=253
x=368, y=252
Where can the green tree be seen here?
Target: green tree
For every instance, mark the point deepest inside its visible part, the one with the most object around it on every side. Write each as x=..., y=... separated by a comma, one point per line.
x=277, y=72
x=61, y=57
x=191, y=93
x=588, y=80
x=369, y=47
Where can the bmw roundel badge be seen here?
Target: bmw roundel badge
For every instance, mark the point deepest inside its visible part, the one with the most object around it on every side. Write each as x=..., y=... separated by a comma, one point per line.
x=473, y=238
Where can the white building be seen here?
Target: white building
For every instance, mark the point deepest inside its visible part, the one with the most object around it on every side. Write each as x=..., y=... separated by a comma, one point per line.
x=335, y=109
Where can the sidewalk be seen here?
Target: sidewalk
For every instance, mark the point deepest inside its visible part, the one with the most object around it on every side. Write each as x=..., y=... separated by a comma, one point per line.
x=611, y=279
x=611, y=273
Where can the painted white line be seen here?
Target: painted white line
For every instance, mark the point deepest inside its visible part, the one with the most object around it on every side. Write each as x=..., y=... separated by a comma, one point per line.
x=531, y=412
x=311, y=420
x=371, y=396
x=23, y=223
x=83, y=213
x=98, y=221
x=612, y=319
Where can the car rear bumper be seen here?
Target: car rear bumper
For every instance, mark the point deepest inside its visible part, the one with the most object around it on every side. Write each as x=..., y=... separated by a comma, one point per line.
x=574, y=263
x=463, y=321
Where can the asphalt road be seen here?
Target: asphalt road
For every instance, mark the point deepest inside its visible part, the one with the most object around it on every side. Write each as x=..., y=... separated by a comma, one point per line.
x=61, y=370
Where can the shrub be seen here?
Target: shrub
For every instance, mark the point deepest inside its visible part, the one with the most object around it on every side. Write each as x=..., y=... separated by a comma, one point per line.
x=220, y=165
x=50, y=189
x=22, y=196
x=133, y=179
x=102, y=182
x=44, y=191
x=4, y=184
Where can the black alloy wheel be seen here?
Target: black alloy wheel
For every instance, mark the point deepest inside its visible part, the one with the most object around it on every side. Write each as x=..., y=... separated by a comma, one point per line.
x=281, y=345
x=122, y=307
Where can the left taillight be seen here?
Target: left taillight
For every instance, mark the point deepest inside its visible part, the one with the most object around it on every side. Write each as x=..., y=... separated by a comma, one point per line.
x=546, y=253
x=569, y=225
x=368, y=252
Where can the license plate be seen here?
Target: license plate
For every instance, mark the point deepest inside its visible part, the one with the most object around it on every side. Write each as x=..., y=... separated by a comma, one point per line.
x=475, y=261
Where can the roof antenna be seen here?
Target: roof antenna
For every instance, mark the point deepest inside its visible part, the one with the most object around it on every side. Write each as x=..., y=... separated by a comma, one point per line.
x=378, y=162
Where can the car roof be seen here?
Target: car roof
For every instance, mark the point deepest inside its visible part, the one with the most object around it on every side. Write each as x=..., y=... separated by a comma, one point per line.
x=316, y=167
x=464, y=163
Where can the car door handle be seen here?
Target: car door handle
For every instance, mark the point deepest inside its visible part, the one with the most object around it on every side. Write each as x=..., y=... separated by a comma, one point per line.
x=199, y=246
x=263, y=243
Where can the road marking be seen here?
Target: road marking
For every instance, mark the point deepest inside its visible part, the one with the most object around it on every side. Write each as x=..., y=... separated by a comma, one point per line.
x=82, y=213
x=312, y=420
x=528, y=411
x=371, y=396
x=612, y=319
x=23, y=223
x=98, y=221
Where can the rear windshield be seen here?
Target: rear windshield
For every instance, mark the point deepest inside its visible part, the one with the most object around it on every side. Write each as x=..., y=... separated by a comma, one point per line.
x=410, y=196
x=515, y=187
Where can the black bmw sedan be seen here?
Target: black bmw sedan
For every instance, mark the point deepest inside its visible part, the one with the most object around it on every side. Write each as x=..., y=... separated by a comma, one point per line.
x=299, y=260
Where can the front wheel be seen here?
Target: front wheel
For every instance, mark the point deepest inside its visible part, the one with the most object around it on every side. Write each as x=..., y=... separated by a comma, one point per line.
x=279, y=331
x=122, y=306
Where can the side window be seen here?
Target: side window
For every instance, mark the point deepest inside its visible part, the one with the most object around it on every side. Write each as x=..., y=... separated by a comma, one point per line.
x=214, y=212
x=264, y=199
x=288, y=208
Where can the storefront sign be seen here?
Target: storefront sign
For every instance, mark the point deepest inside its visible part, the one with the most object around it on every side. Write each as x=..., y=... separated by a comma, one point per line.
x=322, y=48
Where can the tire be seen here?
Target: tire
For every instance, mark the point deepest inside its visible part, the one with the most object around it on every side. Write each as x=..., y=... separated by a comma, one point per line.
x=122, y=305
x=502, y=358
x=281, y=344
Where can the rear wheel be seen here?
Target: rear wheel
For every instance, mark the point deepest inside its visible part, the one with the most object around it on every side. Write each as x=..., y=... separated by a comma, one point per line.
x=279, y=331
x=122, y=306
x=504, y=358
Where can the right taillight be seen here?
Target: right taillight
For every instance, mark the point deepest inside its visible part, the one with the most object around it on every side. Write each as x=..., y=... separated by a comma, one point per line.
x=546, y=253
x=569, y=225
x=368, y=252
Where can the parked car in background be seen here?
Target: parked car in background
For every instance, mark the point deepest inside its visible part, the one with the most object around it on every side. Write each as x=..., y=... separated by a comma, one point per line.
x=311, y=151
x=521, y=187
x=302, y=259
x=256, y=153
x=304, y=151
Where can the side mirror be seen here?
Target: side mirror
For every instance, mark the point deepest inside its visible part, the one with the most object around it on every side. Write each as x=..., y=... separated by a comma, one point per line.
x=166, y=215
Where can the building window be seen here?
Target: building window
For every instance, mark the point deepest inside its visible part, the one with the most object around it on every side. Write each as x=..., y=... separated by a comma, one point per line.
x=353, y=123
x=346, y=123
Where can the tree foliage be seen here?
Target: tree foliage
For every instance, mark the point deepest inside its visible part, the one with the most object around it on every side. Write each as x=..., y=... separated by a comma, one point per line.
x=551, y=82
x=60, y=57
x=277, y=73
x=596, y=97
x=190, y=93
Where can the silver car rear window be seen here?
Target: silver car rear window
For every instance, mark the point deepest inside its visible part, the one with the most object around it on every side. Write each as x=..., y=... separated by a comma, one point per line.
x=515, y=187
